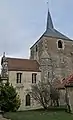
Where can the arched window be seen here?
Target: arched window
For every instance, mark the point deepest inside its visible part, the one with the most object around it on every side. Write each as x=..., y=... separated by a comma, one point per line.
x=60, y=44
x=27, y=100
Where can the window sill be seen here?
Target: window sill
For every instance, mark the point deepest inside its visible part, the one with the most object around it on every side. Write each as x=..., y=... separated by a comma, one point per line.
x=34, y=83
x=60, y=49
x=19, y=85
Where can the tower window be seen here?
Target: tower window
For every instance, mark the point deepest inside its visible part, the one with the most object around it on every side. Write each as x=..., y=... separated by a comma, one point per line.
x=36, y=48
x=60, y=44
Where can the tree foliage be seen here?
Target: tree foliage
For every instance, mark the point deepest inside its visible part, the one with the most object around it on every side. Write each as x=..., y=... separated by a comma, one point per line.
x=9, y=100
x=44, y=93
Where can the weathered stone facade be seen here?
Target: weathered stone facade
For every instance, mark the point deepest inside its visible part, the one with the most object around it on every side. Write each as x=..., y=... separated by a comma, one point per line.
x=22, y=74
x=69, y=91
x=24, y=88
x=55, y=63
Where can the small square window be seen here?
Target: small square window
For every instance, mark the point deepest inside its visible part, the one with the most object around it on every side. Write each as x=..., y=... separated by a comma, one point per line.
x=60, y=44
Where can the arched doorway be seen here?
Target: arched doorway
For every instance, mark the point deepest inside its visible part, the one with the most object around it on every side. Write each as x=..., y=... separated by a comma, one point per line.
x=27, y=100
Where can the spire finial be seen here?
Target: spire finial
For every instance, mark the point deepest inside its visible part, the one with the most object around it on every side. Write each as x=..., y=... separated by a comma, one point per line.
x=3, y=54
x=47, y=4
x=49, y=19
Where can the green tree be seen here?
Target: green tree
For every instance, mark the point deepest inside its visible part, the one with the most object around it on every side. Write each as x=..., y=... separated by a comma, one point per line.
x=9, y=100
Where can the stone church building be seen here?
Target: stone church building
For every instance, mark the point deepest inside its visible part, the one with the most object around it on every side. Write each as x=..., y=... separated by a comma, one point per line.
x=54, y=52
x=51, y=58
x=22, y=74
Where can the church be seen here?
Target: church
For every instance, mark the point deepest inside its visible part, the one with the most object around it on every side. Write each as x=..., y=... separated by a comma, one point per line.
x=51, y=58
x=54, y=53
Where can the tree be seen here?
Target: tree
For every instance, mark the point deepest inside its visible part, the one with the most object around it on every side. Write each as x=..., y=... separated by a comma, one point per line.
x=54, y=94
x=41, y=93
x=44, y=93
x=9, y=100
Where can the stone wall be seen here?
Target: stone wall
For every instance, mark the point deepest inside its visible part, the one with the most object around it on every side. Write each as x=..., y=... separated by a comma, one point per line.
x=54, y=63
x=24, y=87
x=70, y=94
x=62, y=97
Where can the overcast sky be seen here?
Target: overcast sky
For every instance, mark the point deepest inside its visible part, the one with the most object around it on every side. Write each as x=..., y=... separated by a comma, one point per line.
x=22, y=22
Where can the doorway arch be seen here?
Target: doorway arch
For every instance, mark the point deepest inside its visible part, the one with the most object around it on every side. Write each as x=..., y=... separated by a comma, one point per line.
x=27, y=100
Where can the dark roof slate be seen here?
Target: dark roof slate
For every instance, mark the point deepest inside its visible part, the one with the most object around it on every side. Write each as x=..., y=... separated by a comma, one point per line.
x=50, y=31
x=54, y=33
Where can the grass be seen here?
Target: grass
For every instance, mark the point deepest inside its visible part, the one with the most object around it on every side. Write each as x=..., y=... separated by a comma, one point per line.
x=40, y=115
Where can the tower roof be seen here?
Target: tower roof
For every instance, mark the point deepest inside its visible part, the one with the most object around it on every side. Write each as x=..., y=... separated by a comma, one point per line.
x=49, y=21
x=51, y=31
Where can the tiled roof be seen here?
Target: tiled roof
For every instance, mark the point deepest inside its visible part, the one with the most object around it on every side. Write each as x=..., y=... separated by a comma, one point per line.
x=16, y=64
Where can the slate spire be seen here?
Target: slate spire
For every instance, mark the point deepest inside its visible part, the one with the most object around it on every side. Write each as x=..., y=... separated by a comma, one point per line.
x=49, y=22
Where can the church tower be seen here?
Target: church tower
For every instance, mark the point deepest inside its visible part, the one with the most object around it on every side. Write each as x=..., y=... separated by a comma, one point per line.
x=54, y=52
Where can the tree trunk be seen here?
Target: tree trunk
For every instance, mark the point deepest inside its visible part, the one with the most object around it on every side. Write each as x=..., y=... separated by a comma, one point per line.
x=51, y=103
x=57, y=102
x=45, y=107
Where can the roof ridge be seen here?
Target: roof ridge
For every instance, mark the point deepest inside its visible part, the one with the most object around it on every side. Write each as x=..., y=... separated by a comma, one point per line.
x=20, y=58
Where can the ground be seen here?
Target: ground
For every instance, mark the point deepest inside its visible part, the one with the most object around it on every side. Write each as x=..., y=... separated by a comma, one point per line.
x=40, y=115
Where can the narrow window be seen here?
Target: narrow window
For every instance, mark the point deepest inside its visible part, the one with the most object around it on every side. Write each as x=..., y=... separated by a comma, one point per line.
x=31, y=53
x=36, y=48
x=27, y=100
x=59, y=44
x=19, y=76
x=34, y=78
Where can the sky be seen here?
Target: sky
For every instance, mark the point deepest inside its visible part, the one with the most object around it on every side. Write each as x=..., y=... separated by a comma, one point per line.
x=22, y=22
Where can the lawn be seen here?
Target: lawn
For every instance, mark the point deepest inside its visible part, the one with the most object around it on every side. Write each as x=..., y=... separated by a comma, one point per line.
x=39, y=115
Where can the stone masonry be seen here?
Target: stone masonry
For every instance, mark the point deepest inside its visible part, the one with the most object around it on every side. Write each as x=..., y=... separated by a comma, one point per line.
x=55, y=63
